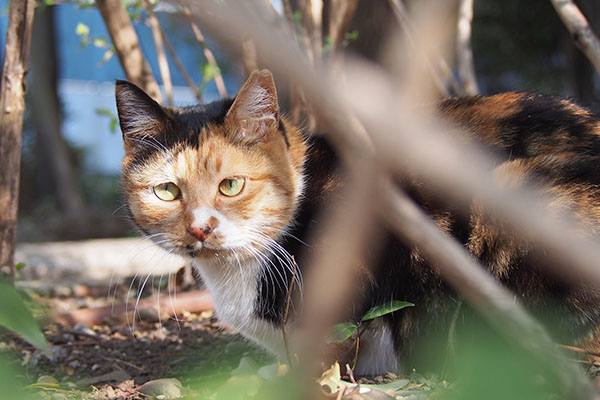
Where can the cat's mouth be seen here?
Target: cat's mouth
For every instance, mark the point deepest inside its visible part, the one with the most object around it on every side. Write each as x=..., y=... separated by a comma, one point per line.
x=204, y=250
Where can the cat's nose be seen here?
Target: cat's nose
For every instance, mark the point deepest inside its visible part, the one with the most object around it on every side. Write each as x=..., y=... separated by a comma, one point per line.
x=200, y=233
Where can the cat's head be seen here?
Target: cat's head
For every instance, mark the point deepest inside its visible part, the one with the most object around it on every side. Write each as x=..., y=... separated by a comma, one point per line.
x=214, y=180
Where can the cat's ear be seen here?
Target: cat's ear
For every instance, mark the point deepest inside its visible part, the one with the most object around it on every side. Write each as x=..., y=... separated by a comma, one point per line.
x=140, y=117
x=254, y=113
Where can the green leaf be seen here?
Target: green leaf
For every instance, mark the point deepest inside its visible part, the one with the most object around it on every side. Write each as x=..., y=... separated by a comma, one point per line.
x=15, y=316
x=341, y=332
x=100, y=42
x=209, y=72
x=82, y=29
x=19, y=266
x=385, y=308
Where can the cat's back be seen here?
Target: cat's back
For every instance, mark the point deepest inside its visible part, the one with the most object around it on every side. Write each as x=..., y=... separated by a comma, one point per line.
x=523, y=125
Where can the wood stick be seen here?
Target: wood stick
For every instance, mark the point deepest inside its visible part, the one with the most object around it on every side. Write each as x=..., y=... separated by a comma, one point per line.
x=580, y=30
x=464, y=53
x=12, y=110
x=127, y=46
x=192, y=301
x=163, y=63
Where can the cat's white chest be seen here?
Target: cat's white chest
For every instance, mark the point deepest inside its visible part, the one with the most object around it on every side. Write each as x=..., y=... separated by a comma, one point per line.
x=234, y=289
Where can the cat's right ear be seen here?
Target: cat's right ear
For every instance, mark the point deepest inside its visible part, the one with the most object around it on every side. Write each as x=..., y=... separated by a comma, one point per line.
x=140, y=117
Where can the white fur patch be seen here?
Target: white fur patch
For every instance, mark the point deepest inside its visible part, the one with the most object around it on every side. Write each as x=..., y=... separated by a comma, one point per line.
x=377, y=353
x=234, y=288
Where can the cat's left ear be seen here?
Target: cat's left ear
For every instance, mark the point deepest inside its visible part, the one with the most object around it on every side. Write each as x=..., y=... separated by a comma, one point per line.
x=255, y=112
x=142, y=119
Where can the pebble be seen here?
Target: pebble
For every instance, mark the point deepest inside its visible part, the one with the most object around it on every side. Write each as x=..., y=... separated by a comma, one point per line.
x=164, y=388
x=47, y=379
x=391, y=375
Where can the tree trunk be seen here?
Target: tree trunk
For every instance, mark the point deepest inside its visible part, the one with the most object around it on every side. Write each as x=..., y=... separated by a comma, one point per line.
x=127, y=46
x=53, y=154
x=12, y=108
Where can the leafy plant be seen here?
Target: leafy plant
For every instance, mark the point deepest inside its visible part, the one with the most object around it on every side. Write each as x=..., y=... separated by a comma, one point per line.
x=344, y=330
x=15, y=316
x=85, y=38
x=112, y=116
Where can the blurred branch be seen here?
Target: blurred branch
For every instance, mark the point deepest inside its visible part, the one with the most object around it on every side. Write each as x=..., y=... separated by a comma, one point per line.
x=186, y=77
x=12, y=110
x=439, y=77
x=127, y=46
x=404, y=139
x=55, y=165
x=472, y=280
x=249, y=57
x=464, y=53
x=208, y=54
x=580, y=30
x=312, y=20
x=341, y=13
x=163, y=63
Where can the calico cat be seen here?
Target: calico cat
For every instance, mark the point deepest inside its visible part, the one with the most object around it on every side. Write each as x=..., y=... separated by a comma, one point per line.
x=237, y=188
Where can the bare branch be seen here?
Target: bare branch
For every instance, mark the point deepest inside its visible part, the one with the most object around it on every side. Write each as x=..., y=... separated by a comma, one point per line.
x=341, y=14
x=408, y=30
x=464, y=53
x=208, y=54
x=580, y=30
x=163, y=64
x=405, y=139
x=127, y=46
x=186, y=77
x=12, y=109
x=471, y=279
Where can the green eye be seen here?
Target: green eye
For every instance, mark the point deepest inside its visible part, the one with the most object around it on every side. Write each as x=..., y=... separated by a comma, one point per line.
x=232, y=186
x=167, y=191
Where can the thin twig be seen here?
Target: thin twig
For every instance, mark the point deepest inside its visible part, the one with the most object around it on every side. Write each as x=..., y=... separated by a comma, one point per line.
x=208, y=54
x=287, y=310
x=464, y=53
x=407, y=28
x=580, y=30
x=579, y=350
x=163, y=64
x=127, y=46
x=186, y=77
x=350, y=373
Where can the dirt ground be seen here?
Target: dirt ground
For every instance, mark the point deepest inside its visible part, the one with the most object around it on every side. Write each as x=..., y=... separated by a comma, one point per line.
x=111, y=359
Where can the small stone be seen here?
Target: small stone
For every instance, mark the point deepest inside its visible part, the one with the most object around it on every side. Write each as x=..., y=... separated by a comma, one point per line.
x=208, y=314
x=149, y=314
x=68, y=337
x=62, y=291
x=391, y=375
x=47, y=379
x=83, y=328
x=74, y=364
x=167, y=388
x=379, y=379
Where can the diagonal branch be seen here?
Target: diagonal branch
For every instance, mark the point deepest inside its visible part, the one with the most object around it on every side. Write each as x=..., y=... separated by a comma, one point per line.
x=493, y=301
x=464, y=53
x=408, y=29
x=208, y=54
x=580, y=30
x=163, y=63
x=127, y=46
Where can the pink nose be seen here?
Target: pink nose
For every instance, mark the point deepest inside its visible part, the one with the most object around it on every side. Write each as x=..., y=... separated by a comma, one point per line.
x=200, y=233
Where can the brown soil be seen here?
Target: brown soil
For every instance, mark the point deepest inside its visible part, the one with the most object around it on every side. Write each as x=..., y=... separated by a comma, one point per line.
x=109, y=360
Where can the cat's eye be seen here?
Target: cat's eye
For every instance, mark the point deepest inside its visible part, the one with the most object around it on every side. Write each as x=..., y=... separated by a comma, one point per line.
x=167, y=191
x=231, y=186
